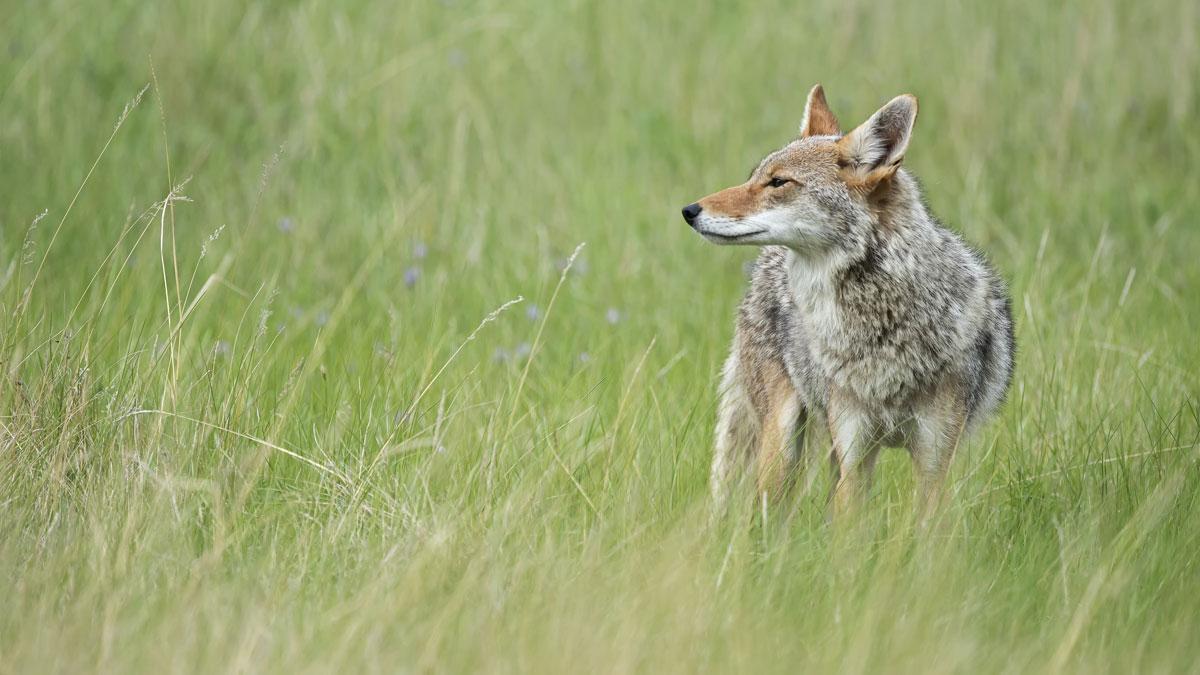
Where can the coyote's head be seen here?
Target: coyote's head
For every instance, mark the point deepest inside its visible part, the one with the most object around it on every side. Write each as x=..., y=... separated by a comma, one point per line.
x=811, y=193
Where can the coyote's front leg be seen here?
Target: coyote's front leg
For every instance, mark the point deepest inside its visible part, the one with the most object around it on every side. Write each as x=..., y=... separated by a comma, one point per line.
x=853, y=454
x=759, y=423
x=936, y=434
x=781, y=438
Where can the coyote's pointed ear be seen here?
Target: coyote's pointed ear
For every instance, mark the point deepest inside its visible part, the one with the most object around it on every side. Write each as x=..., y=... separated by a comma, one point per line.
x=873, y=151
x=818, y=118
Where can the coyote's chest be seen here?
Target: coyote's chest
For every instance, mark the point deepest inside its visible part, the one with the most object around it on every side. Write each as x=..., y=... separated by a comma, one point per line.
x=870, y=345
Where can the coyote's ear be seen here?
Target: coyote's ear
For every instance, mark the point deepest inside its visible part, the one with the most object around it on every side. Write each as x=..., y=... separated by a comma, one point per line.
x=818, y=118
x=873, y=151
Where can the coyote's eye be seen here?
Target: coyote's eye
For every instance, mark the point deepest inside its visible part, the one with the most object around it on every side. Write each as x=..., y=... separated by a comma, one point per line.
x=778, y=182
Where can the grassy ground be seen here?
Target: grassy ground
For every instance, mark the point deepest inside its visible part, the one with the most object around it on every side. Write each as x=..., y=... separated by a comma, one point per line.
x=250, y=419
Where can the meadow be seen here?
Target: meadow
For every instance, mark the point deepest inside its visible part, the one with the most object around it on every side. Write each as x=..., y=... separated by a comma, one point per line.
x=367, y=337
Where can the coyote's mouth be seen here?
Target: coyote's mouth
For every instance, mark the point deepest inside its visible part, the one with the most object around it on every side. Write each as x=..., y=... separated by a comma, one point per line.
x=730, y=237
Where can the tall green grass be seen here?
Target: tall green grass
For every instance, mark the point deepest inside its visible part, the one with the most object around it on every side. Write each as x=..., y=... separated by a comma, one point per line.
x=260, y=412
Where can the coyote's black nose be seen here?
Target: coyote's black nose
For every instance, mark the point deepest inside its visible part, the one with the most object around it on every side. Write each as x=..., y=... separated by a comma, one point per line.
x=690, y=212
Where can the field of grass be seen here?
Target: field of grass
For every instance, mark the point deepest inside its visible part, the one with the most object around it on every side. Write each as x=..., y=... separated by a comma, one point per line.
x=295, y=376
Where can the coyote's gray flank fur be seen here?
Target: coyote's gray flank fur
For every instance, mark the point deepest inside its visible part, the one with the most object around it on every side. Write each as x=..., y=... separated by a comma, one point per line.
x=863, y=312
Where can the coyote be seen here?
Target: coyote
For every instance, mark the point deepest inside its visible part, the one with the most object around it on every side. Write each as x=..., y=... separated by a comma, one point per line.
x=863, y=312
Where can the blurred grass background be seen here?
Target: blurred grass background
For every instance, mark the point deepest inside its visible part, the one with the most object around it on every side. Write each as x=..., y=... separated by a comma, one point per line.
x=243, y=427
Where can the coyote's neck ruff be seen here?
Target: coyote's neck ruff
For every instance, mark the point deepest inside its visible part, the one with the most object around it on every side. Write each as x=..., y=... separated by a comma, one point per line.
x=862, y=311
